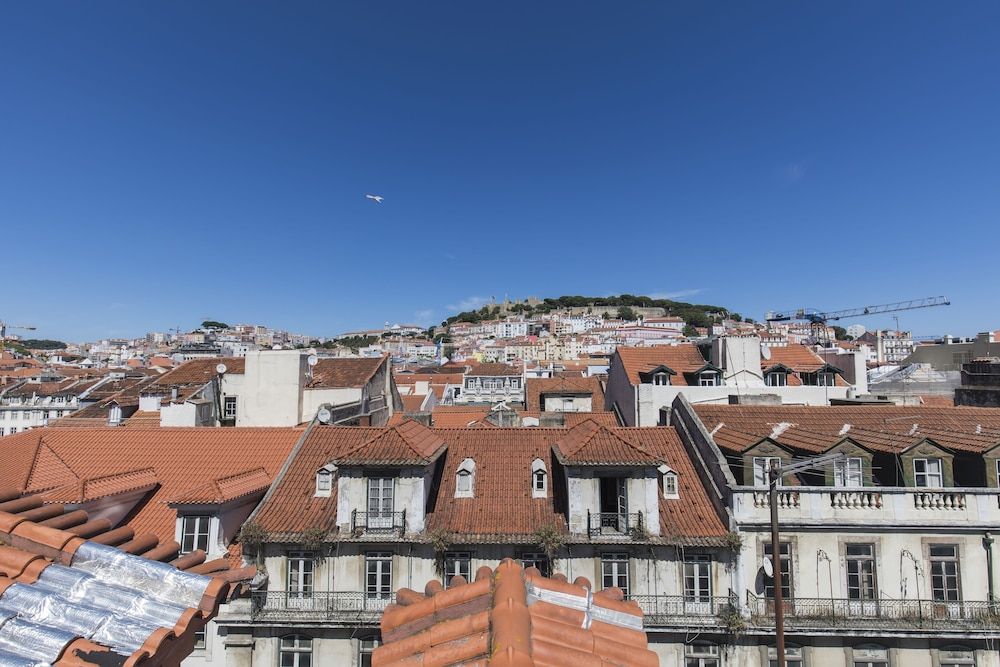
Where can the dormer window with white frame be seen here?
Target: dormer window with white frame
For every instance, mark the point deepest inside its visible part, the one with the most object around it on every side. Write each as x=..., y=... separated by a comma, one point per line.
x=465, y=479
x=324, y=481
x=661, y=379
x=539, y=479
x=669, y=483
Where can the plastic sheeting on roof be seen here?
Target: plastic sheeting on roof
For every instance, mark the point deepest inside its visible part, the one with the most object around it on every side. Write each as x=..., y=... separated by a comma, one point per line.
x=28, y=640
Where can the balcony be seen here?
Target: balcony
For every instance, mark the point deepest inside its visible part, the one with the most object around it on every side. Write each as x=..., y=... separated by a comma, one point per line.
x=679, y=610
x=832, y=613
x=378, y=523
x=336, y=607
x=815, y=505
x=613, y=524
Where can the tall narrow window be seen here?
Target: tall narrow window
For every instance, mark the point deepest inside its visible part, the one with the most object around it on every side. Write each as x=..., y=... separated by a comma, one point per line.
x=229, y=408
x=295, y=651
x=465, y=479
x=378, y=574
x=701, y=655
x=380, y=502
x=536, y=559
x=848, y=473
x=366, y=647
x=194, y=533
x=944, y=573
x=786, y=571
x=457, y=563
x=928, y=473
x=539, y=479
x=698, y=578
x=614, y=567
x=300, y=575
x=861, y=581
x=761, y=466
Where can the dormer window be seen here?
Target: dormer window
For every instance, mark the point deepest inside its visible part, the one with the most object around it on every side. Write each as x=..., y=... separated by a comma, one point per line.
x=194, y=533
x=661, y=379
x=115, y=415
x=539, y=479
x=668, y=482
x=708, y=379
x=826, y=379
x=324, y=481
x=465, y=479
x=776, y=379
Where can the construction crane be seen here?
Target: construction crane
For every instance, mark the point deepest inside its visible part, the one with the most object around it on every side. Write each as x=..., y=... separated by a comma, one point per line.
x=818, y=319
x=3, y=332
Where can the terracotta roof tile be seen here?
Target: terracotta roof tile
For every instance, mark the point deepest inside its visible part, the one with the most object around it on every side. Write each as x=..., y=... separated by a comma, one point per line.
x=535, y=388
x=408, y=443
x=683, y=358
x=513, y=618
x=594, y=444
x=493, y=370
x=345, y=371
x=181, y=458
x=199, y=371
x=225, y=489
x=103, y=486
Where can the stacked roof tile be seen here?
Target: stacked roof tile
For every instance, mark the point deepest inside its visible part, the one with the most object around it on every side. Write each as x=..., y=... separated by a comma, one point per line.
x=75, y=592
x=513, y=618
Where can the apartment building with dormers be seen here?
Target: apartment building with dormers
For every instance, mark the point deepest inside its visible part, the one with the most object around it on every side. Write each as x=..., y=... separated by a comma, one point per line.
x=359, y=513
x=886, y=556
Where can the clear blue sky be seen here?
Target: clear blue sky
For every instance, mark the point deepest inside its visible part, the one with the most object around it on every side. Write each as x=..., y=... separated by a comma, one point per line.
x=166, y=162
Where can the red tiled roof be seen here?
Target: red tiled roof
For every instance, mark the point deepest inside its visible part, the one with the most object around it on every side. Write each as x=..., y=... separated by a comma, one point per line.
x=799, y=358
x=43, y=459
x=493, y=370
x=413, y=402
x=225, y=489
x=345, y=371
x=513, y=618
x=881, y=428
x=593, y=444
x=86, y=490
x=43, y=539
x=199, y=371
x=536, y=388
x=409, y=443
x=683, y=358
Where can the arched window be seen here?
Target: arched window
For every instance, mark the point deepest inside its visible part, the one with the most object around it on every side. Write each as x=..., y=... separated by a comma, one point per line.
x=295, y=651
x=539, y=479
x=465, y=479
x=324, y=480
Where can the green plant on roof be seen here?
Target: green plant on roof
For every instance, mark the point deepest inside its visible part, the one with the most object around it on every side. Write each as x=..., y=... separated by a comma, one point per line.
x=440, y=540
x=550, y=540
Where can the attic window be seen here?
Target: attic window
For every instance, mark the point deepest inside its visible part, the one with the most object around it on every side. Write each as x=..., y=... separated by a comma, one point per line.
x=539, y=479
x=324, y=481
x=776, y=379
x=708, y=379
x=668, y=482
x=465, y=479
x=661, y=379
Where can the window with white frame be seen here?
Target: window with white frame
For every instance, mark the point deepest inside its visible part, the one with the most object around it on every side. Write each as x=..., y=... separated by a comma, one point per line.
x=956, y=656
x=539, y=479
x=870, y=656
x=702, y=655
x=661, y=379
x=457, y=564
x=295, y=651
x=614, y=571
x=366, y=647
x=793, y=656
x=776, y=379
x=194, y=533
x=535, y=559
x=708, y=379
x=761, y=467
x=668, y=482
x=465, y=479
x=784, y=569
x=848, y=473
x=324, y=481
x=300, y=574
x=945, y=573
x=229, y=407
x=378, y=574
x=928, y=473
x=698, y=578
x=826, y=379
x=861, y=572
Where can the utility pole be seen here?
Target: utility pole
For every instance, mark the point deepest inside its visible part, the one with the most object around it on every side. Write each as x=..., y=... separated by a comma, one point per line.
x=775, y=472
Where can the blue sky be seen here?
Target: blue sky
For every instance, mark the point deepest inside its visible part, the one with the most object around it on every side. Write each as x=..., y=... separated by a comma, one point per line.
x=162, y=163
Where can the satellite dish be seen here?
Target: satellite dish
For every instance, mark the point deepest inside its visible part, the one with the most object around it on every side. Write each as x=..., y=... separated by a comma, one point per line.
x=765, y=351
x=767, y=566
x=313, y=360
x=221, y=368
x=324, y=416
x=311, y=350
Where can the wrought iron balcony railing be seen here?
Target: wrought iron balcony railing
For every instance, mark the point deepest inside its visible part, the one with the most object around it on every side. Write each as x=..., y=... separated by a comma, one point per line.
x=682, y=610
x=841, y=613
x=613, y=524
x=315, y=606
x=378, y=522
